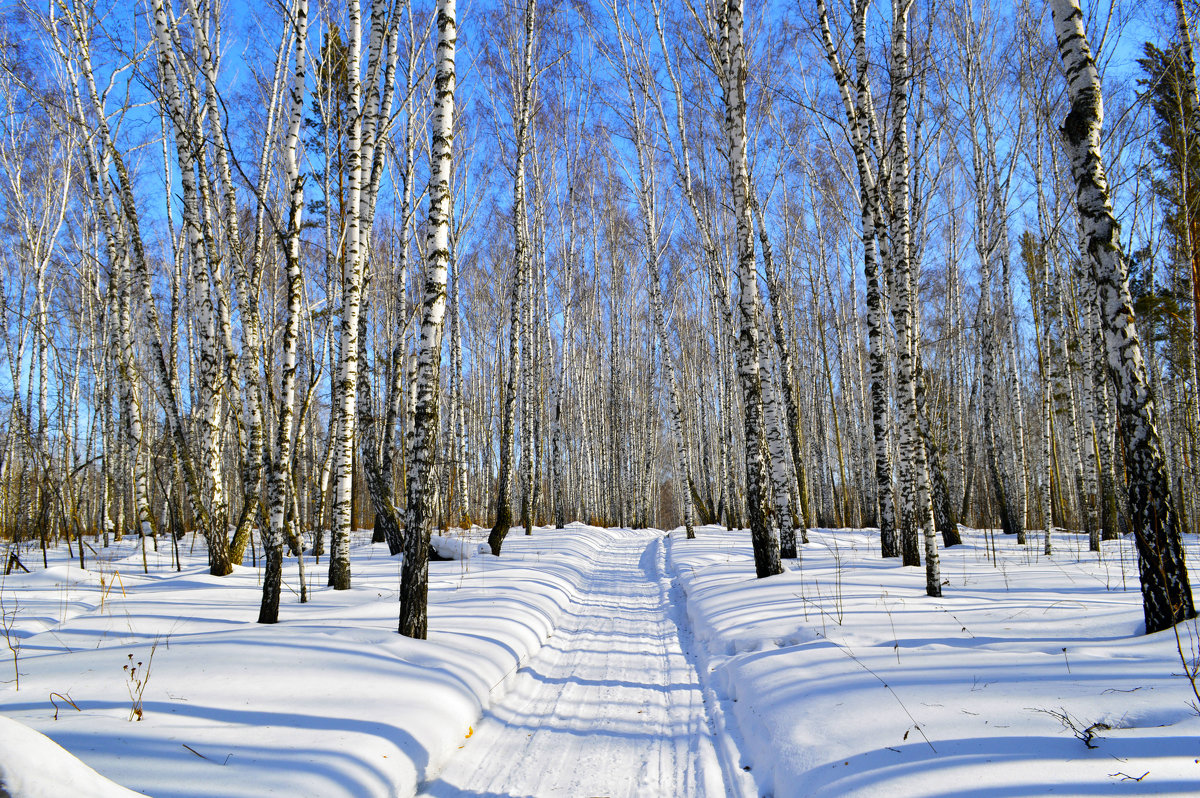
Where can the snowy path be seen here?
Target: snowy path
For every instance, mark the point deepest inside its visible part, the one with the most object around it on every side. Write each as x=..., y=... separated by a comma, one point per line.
x=610, y=706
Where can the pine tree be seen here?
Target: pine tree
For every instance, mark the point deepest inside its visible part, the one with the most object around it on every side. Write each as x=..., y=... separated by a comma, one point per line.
x=1176, y=182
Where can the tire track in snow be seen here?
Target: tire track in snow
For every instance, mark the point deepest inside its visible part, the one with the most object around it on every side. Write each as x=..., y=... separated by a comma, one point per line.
x=610, y=706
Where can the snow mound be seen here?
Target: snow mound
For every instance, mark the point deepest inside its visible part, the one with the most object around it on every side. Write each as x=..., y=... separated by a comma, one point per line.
x=34, y=766
x=457, y=548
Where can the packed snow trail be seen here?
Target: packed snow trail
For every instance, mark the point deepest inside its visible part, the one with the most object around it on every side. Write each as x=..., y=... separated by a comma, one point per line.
x=610, y=706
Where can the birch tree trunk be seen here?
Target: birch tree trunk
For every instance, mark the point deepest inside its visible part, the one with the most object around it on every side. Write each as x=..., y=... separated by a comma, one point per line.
x=1047, y=421
x=557, y=444
x=508, y=408
x=787, y=380
x=200, y=245
x=732, y=67
x=648, y=205
x=462, y=513
x=787, y=417
x=904, y=309
x=779, y=468
x=378, y=441
x=281, y=466
x=523, y=83
x=1166, y=592
x=414, y=575
x=1191, y=246
x=1041, y=287
x=856, y=99
x=348, y=349
x=370, y=96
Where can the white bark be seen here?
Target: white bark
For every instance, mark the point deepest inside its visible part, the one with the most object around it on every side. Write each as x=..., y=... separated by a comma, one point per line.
x=419, y=513
x=370, y=108
x=1166, y=592
x=732, y=71
x=281, y=470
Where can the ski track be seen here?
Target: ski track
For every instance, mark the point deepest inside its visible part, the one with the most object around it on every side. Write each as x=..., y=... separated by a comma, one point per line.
x=610, y=706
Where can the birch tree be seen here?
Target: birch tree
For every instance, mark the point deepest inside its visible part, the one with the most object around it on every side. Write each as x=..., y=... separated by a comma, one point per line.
x=522, y=82
x=905, y=307
x=634, y=60
x=372, y=88
x=1166, y=591
x=281, y=471
x=858, y=105
x=731, y=64
x=414, y=578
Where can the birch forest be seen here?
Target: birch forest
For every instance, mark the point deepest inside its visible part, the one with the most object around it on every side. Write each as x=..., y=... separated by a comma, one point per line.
x=277, y=271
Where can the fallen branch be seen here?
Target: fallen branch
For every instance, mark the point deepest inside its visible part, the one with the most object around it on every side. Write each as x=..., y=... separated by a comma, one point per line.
x=210, y=759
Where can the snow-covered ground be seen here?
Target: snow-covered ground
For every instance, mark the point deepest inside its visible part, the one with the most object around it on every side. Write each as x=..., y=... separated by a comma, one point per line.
x=845, y=679
x=602, y=662
x=329, y=702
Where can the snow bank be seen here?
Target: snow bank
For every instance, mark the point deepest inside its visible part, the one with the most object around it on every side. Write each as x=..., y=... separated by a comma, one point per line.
x=34, y=766
x=843, y=678
x=328, y=702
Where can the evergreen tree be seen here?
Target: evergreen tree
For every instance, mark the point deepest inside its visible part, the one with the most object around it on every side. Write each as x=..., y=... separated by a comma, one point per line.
x=1176, y=182
x=328, y=122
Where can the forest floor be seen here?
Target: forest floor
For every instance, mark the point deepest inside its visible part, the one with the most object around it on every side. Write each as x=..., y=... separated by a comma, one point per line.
x=600, y=662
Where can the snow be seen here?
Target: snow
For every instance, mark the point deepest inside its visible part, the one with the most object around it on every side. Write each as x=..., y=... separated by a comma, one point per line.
x=603, y=662
x=457, y=548
x=846, y=680
x=34, y=766
x=611, y=705
x=331, y=701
